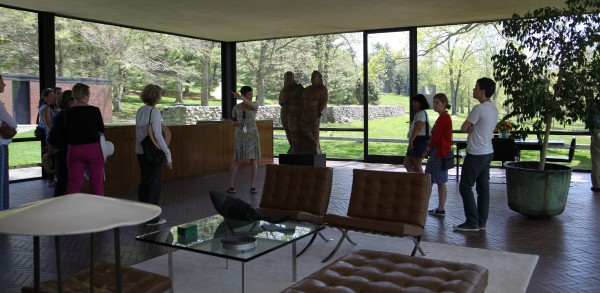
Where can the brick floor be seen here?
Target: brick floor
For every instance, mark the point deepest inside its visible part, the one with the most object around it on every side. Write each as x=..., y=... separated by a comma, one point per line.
x=567, y=244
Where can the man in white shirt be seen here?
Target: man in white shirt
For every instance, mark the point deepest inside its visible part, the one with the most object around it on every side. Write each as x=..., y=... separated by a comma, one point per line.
x=476, y=168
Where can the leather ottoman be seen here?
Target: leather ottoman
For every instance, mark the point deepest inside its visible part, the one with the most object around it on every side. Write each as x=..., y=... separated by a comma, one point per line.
x=376, y=271
x=133, y=281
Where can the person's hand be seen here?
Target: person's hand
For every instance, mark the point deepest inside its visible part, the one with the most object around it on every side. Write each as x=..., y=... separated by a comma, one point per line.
x=170, y=165
x=236, y=95
x=470, y=129
x=425, y=154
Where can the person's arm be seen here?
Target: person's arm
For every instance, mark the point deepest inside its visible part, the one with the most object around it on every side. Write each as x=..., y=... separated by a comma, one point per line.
x=467, y=126
x=157, y=130
x=100, y=121
x=469, y=123
x=247, y=102
x=6, y=117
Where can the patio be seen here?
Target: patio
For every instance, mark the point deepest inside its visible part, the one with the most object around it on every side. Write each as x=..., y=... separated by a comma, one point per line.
x=566, y=244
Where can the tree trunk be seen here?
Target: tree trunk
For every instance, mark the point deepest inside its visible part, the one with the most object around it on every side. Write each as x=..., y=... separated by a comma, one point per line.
x=117, y=97
x=545, y=143
x=179, y=92
x=205, y=93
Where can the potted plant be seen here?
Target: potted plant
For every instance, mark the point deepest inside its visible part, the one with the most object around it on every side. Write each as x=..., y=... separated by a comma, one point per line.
x=550, y=71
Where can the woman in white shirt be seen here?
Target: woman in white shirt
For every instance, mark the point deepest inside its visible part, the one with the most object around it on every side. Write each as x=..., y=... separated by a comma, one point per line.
x=418, y=135
x=151, y=174
x=7, y=119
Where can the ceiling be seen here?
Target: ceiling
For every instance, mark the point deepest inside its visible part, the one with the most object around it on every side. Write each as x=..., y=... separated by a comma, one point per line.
x=243, y=20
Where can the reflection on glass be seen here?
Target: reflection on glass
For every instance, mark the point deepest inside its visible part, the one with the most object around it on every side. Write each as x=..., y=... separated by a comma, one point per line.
x=211, y=230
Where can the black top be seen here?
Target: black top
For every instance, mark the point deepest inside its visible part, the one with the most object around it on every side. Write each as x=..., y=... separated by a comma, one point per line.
x=83, y=125
x=57, y=137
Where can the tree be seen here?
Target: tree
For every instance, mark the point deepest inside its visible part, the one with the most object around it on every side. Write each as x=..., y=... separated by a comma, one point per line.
x=550, y=66
x=260, y=59
x=18, y=42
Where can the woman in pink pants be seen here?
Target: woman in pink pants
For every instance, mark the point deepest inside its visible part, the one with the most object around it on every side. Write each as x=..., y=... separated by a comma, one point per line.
x=84, y=127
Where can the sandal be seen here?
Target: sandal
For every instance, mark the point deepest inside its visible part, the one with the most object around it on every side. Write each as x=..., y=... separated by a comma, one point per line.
x=253, y=190
x=231, y=190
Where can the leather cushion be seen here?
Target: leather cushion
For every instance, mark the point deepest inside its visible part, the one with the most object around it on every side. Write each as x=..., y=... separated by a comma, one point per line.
x=376, y=271
x=295, y=189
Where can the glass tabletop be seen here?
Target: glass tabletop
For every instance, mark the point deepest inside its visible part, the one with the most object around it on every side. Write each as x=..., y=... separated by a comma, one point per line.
x=210, y=231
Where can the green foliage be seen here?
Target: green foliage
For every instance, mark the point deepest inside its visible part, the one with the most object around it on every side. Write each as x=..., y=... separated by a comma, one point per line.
x=550, y=66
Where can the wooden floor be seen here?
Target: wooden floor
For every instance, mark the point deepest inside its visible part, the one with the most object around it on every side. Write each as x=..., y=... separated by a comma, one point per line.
x=567, y=244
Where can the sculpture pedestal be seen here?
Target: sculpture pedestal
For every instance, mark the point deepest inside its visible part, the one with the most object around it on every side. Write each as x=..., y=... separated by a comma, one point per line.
x=303, y=160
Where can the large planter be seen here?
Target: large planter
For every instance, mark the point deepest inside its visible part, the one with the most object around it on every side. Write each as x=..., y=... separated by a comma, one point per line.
x=538, y=194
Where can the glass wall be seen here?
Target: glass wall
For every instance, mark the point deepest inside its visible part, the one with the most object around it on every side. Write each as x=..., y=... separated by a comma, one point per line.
x=338, y=57
x=452, y=58
x=118, y=62
x=19, y=66
x=389, y=91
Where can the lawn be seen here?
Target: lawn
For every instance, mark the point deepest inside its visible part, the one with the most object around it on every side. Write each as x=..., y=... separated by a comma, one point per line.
x=29, y=153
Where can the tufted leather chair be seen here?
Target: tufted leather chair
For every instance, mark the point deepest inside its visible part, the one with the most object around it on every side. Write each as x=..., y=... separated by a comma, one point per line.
x=301, y=192
x=377, y=271
x=388, y=203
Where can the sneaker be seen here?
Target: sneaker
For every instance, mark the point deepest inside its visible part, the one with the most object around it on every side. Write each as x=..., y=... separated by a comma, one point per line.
x=465, y=227
x=437, y=212
x=159, y=222
x=481, y=227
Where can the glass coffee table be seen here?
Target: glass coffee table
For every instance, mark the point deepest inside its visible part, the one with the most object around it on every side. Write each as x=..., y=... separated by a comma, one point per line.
x=231, y=239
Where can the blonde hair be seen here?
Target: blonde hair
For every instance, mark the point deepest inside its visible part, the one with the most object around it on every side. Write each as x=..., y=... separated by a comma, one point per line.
x=150, y=94
x=80, y=90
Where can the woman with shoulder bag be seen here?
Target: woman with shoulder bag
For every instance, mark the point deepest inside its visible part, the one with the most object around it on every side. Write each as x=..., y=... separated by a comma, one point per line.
x=6, y=118
x=46, y=112
x=439, y=147
x=418, y=135
x=151, y=174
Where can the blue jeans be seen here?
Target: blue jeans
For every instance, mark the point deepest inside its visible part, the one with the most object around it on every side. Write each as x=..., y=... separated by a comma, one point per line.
x=476, y=170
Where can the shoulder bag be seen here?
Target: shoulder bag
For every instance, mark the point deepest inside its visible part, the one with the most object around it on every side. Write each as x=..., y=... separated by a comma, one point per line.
x=40, y=132
x=448, y=161
x=153, y=154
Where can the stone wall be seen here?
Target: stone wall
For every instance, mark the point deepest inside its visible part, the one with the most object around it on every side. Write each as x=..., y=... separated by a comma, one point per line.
x=190, y=114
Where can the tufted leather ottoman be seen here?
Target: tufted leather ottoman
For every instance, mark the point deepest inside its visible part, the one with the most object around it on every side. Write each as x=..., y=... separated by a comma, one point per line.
x=133, y=281
x=376, y=271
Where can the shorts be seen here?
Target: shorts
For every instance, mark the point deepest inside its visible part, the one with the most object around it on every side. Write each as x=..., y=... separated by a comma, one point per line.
x=419, y=147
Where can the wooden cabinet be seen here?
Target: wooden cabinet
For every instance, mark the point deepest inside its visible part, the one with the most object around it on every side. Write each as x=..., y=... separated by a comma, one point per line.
x=196, y=150
x=117, y=168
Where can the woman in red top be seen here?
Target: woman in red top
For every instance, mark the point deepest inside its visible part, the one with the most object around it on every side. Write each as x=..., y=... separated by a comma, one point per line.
x=439, y=146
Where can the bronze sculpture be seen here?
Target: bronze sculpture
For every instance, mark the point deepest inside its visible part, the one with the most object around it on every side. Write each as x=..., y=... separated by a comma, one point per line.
x=304, y=115
x=290, y=97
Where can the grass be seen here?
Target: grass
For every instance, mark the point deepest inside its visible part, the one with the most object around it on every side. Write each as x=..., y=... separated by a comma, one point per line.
x=24, y=153
x=29, y=153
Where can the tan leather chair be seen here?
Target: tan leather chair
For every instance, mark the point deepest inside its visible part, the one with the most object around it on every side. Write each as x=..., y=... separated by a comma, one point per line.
x=387, y=203
x=301, y=192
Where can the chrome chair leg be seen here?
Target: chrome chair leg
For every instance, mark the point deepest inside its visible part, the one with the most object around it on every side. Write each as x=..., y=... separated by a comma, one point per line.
x=337, y=247
x=323, y=237
x=350, y=240
x=312, y=239
x=417, y=241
